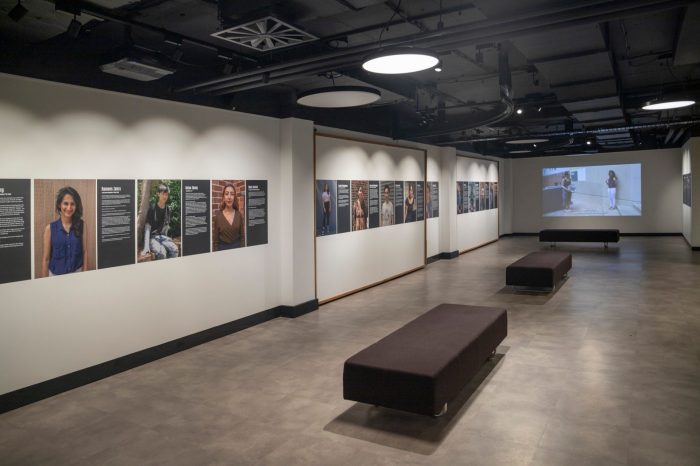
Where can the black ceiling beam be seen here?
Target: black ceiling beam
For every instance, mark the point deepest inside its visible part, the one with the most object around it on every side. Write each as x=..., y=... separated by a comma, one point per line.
x=596, y=109
x=348, y=5
x=567, y=56
x=459, y=36
x=581, y=82
x=110, y=15
x=374, y=27
x=588, y=132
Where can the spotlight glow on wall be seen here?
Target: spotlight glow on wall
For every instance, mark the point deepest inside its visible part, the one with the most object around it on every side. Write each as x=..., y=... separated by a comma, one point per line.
x=400, y=61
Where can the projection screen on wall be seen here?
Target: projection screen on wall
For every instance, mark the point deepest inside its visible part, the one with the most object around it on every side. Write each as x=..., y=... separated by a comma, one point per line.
x=599, y=190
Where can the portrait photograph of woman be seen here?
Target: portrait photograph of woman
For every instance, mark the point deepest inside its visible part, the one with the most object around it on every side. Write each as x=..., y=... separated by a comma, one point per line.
x=228, y=214
x=359, y=204
x=410, y=202
x=64, y=227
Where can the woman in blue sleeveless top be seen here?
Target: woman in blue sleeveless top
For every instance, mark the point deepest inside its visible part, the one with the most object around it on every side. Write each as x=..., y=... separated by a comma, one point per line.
x=65, y=239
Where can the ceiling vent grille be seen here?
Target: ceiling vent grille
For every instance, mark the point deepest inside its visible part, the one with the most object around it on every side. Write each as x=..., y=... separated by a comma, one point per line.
x=265, y=34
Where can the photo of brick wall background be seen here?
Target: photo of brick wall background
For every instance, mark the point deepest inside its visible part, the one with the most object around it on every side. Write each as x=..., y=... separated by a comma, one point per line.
x=217, y=193
x=45, y=212
x=355, y=185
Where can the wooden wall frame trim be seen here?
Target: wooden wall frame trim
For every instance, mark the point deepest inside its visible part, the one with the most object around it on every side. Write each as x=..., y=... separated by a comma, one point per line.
x=425, y=222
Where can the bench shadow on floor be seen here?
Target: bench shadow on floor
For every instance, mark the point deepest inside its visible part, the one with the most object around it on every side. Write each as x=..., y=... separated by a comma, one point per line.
x=408, y=431
x=593, y=249
x=524, y=295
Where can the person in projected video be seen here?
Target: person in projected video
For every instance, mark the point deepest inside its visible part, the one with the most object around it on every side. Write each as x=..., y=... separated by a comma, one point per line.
x=566, y=192
x=612, y=188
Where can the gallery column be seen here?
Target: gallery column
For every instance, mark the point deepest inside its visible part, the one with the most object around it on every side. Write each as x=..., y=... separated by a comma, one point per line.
x=297, y=219
x=448, y=219
x=691, y=213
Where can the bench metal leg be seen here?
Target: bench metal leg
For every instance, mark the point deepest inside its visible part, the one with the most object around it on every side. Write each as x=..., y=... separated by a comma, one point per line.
x=442, y=412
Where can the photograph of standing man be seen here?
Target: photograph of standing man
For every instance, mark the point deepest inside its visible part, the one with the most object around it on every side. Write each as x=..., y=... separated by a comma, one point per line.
x=428, y=202
x=156, y=239
x=386, y=215
x=459, y=197
x=566, y=192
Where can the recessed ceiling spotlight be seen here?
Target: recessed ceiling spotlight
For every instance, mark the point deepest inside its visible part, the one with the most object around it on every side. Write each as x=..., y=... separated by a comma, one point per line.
x=539, y=109
x=519, y=111
x=339, y=97
x=400, y=61
x=589, y=142
x=438, y=69
x=667, y=104
x=527, y=141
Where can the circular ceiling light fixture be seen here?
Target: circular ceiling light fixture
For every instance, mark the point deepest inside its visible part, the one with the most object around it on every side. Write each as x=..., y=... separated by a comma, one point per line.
x=339, y=97
x=400, y=61
x=527, y=141
x=667, y=104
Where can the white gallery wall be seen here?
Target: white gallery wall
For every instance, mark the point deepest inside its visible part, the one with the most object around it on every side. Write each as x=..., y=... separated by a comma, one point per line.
x=349, y=261
x=432, y=225
x=661, y=193
x=691, y=214
x=53, y=326
x=475, y=229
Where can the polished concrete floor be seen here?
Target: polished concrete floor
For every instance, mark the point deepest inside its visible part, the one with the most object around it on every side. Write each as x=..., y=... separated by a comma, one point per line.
x=606, y=370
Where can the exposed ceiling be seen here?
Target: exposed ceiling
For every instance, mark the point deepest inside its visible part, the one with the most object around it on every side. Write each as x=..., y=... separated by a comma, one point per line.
x=579, y=70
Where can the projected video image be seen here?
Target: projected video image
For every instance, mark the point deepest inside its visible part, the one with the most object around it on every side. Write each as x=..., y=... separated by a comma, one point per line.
x=601, y=190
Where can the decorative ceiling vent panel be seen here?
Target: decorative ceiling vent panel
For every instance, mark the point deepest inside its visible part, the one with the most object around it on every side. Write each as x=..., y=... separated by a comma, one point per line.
x=265, y=34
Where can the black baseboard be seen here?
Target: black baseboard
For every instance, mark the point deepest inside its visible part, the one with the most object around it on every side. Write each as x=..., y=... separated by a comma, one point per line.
x=651, y=234
x=299, y=309
x=49, y=388
x=442, y=256
x=692, y=248
x=621, y=234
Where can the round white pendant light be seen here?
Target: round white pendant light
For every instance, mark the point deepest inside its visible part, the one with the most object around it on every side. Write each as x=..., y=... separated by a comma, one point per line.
x=338, y=97
x=667, y=104
x=400, y=61
x=527, y=141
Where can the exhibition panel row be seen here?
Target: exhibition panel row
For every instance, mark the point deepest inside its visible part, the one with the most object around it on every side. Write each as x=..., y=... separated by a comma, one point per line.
x=477, y=202
x=475, y=196
x=353, y=205
x=82, y=224
x=351, y=196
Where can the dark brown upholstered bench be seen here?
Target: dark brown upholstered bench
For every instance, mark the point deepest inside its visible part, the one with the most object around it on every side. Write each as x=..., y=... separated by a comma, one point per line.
x=427, y=362
x=580, y=236
x=542, y=269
